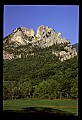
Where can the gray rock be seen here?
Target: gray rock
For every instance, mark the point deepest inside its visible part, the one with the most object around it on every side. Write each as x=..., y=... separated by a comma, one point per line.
x=44, y=37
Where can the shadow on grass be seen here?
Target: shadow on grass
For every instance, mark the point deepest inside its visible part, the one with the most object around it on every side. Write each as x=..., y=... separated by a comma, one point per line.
x=40, y=113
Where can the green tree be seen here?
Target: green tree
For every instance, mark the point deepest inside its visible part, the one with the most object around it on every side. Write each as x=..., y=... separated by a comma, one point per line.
x=47, y=89
x=74, y=88
x=25, y=89
x=53, y=89
x=8, y=89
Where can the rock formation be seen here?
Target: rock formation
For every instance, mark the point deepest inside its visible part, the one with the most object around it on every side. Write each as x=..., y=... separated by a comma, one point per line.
x=44, y=37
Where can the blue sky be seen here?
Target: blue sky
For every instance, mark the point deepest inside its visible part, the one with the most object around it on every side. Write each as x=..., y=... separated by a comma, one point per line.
x=62, y=18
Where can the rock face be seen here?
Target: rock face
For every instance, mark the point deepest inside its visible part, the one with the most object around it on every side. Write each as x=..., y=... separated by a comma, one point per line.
x=44, y=37
x=6, y=55
x=76, y=46
x=20, y=36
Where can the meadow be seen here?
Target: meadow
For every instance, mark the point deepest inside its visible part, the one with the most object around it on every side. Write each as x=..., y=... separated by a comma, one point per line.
x=65, y=106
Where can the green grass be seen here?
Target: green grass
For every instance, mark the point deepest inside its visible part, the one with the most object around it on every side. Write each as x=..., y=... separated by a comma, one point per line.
x=64, y=105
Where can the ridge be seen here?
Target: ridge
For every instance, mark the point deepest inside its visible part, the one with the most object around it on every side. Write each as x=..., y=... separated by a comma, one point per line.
x=44, y=37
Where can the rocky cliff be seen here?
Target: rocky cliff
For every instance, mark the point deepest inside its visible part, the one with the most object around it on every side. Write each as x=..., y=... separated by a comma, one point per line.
x=44, y=37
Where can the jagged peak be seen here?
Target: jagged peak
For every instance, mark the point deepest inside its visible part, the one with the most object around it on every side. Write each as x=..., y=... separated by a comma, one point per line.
x=24, y=29
x=44, y=37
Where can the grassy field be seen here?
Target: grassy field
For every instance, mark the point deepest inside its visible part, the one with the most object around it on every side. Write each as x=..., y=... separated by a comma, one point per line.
x=70, y=106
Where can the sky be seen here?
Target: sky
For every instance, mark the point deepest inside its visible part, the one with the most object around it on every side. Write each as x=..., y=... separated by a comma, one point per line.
x=61, y=18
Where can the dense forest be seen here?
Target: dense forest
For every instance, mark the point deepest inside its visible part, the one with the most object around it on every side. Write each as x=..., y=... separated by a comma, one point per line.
x=41, y=76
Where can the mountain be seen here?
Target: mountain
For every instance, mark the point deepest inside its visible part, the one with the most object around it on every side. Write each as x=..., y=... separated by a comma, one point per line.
x=23, y=39
x=75, y=46
x=42, y=65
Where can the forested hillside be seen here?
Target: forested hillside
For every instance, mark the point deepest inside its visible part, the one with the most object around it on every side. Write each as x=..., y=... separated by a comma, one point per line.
x=41, y=75
x=42, y=65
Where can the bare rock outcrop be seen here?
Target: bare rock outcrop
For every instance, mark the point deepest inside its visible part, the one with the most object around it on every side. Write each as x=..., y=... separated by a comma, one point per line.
x=44, y=37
